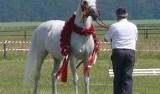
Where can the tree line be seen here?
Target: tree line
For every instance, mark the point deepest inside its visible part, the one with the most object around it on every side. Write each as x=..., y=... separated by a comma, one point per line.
x=43, y=10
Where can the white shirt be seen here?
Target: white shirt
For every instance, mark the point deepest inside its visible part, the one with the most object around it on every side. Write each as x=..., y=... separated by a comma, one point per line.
x=122, y=35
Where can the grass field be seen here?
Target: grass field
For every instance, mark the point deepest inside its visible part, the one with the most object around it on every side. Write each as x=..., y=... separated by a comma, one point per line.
x=12, y=70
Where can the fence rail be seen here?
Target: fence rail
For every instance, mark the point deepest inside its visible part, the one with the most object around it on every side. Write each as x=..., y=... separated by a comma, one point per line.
x=17, y=28
x=145, y=29
x=6, y=48
x=140, y=72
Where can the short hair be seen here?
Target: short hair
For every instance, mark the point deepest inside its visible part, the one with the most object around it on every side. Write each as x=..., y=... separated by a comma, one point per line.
x=121, y=13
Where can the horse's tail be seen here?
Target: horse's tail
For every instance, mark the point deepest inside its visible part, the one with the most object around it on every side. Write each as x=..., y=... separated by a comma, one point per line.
x=30, y=59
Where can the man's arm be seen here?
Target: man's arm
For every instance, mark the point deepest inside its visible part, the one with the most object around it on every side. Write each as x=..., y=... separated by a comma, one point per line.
x=106, y=40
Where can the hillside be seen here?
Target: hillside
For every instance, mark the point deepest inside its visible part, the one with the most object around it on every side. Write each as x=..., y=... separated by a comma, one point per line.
x=42, y=10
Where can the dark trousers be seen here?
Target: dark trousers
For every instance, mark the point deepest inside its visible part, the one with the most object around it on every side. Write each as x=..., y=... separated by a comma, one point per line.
x=123, y=63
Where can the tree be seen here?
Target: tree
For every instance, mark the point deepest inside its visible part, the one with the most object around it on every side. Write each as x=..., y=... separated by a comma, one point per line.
x=43, y=10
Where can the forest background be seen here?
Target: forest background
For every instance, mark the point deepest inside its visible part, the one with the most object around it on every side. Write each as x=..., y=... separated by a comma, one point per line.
x=43, y=10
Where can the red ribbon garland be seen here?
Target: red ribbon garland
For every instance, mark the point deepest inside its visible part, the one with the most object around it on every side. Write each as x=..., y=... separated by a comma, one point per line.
x=89, y=65
x=63, y=70
x=65, y=45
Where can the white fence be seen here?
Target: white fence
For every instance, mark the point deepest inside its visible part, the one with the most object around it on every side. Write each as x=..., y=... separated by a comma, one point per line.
x=5, y=48
x=136, y=72
x=140, y=72
x=25, y=42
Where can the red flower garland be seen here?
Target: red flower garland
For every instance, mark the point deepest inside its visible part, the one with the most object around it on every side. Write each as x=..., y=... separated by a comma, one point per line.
x=66, y=34
x=65, y=45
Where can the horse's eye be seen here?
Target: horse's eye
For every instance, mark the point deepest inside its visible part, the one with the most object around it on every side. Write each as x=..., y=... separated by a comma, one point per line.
x=85, y=2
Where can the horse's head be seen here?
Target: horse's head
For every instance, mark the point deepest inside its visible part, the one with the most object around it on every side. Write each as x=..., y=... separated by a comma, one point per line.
x=90, y=8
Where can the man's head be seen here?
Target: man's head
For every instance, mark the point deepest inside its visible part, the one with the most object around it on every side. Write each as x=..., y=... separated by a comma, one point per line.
x=121, y=13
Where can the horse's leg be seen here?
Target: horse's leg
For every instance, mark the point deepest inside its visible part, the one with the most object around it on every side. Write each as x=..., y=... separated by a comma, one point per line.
x=86, y=77
x=57, y=65
x=40, y=59
x=73, y=61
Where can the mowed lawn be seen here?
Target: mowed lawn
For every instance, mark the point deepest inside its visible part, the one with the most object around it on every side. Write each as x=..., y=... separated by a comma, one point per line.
x=12, y=72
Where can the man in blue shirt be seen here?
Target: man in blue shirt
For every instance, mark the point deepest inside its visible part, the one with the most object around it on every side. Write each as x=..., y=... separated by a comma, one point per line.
x=123, y=36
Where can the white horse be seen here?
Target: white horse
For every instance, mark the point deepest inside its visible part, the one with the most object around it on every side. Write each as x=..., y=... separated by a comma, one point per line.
x=46, y=39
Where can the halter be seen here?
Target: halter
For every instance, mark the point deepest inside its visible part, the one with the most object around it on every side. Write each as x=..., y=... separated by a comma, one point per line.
x=86, y=12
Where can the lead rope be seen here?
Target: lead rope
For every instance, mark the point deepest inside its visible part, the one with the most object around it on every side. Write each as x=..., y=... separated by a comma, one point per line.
x=102, y=24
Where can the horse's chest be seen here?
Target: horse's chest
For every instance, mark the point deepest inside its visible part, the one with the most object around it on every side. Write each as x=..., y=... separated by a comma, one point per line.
x=81, y=45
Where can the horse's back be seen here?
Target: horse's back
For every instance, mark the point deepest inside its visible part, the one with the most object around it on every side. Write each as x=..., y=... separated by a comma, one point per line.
x=48, y=36
x=52, y=41
x=49, y=40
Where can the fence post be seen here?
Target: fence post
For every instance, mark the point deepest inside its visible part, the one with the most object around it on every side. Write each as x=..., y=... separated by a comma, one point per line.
x=25, y=34
x=146, y=34
x=5, y=48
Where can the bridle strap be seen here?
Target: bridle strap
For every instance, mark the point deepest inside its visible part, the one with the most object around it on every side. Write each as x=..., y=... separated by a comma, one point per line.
x=82, y=6
x=98, y=10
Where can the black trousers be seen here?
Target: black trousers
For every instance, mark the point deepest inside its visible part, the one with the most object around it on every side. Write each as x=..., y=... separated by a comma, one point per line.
x=123, y=61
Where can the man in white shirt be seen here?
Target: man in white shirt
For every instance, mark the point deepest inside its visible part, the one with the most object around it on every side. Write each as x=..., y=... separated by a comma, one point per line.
x=123, y=36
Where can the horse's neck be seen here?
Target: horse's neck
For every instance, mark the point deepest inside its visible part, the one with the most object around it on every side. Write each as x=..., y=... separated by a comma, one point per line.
x=78, y=20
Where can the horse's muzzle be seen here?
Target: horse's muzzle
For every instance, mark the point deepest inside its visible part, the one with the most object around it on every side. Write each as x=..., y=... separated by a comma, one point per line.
x=93, y=12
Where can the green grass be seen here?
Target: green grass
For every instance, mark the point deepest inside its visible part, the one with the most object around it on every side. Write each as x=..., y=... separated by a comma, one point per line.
x=152, y=21
x=9, y=27
x=12, y=71
x=12, y=24
x=107, y=22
